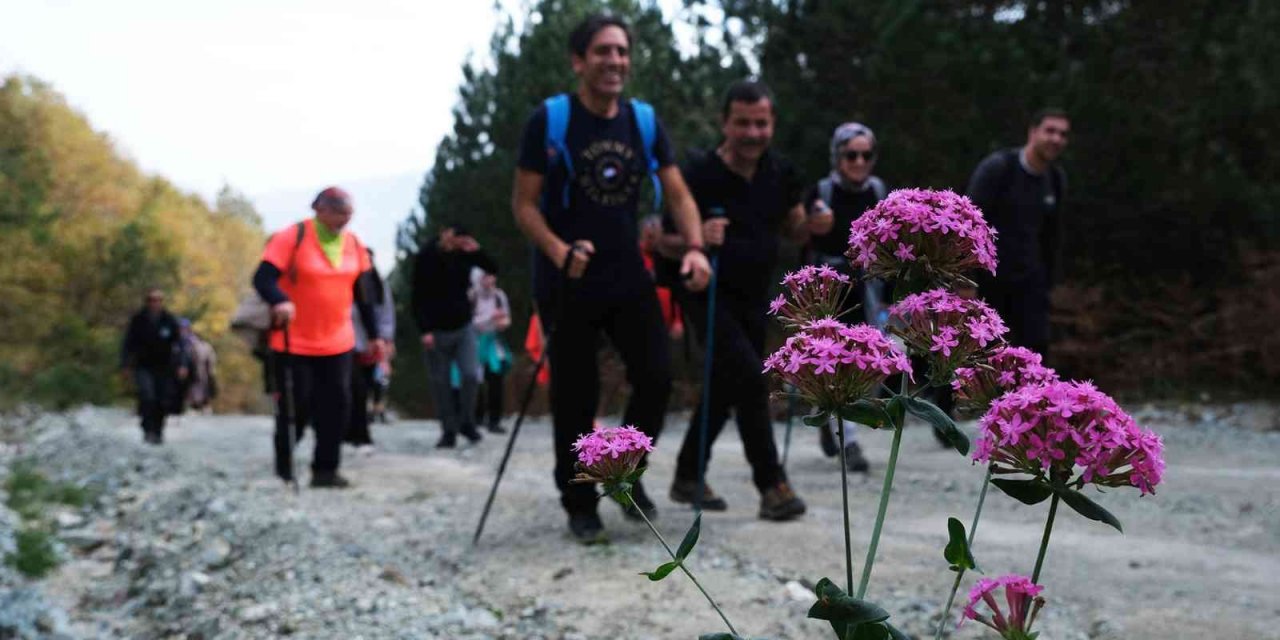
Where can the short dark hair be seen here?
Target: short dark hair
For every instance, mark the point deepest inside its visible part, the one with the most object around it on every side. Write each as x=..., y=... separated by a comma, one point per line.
x=1038, y=117
x=748, y=91
x=582, y=35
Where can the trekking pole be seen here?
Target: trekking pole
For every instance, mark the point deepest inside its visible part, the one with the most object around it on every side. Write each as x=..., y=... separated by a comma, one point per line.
x=704, y=427
x=786, y=442
x=292, y=437
x=528, y=397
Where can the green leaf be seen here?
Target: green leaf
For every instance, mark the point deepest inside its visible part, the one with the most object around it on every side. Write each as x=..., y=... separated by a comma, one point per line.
x=690, y=538
x=662, y=571
x=940, y=421
x=867, y=412
x=816, y=419
x=1024, y=491
x=957, y=551
x=1088, y=508
x=844, y=612
x=894, y=633
x=896, y=407
x=869, y=632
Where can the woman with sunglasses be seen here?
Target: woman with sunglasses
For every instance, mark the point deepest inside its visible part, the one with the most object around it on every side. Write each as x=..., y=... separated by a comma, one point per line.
x=841, y=197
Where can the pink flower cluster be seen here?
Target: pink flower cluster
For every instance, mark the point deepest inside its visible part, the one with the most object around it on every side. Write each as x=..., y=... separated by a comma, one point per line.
x=1052, y=428
x=609, y=454
x=930, y=235
x=1021, y=598
x=1007, y=369
x=812, y=292
x=947, y=328
x=833, y=364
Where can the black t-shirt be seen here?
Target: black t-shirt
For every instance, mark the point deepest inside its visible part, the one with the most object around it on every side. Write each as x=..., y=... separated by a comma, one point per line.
x=608, y=173
x=756, y=210
x=1024, y=208
x=846, y=206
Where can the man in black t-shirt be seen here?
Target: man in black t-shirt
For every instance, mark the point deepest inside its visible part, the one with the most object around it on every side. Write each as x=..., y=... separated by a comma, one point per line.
x=748, y=195
x=1020, y=192
x=583, y=221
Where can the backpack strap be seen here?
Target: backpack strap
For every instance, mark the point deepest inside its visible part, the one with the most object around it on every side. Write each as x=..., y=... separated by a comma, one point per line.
x=557, y=108
x=293, y=256
x=826, y=190
x=647, y=123
x=878, y=186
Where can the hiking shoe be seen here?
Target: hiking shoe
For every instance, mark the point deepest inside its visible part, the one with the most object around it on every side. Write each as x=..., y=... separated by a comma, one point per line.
x=496, y=428
x=686, y=492
x=854, y=460
x=587, y=528
x=470, y=432
x=780, y=503
x=329, y=481
x=642, y=504
x=828, y=441
x=447, y=441
x=152, y=437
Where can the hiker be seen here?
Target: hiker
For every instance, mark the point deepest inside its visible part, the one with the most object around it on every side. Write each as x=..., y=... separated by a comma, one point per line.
x=650, y=237
x=368, y=361
x=311, y=273
x=749, y=196
x=1020, y=192
x=583, y=157
x=202, y=382
x=441, y=279
x=491, y=317
x=153, y=356
x=837, y=200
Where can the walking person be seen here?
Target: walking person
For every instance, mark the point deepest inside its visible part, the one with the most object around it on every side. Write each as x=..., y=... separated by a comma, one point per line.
x=368, y=360
x=441, y=279
x=491, y=317
x=154, y=358
x=202, y=385
x=311, y=274
x=833, y=204
x=1020, y=192
x=583, y=157
x=749, y=196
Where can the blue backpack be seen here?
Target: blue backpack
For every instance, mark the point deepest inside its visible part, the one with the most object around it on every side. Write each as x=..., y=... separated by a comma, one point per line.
x=558, y=125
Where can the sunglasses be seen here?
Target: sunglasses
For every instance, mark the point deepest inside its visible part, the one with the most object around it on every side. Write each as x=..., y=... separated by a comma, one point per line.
x=852, y=156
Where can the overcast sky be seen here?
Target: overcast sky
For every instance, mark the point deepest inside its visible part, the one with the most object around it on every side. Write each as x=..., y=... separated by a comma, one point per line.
x=276, y=98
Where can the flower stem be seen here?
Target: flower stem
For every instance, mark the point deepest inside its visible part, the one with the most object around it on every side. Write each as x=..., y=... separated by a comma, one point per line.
x=685, y=569
x=973, y=532
x=1044, y=542
x=844, y=500
x=884, y=507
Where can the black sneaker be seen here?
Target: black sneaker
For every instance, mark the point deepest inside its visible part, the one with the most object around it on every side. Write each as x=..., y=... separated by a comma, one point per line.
x=447, y=441
x=781, y=503
x=587, y=528
x=828, y=441
x=853, y=459
x=686, y=492
x=329, y=481
x=496, y=428
x=643, y=503
x=470, y=432
x=151, y=437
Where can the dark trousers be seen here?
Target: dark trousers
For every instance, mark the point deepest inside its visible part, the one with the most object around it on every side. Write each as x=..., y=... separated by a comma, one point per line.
x=490, y=402
x=361, y=385
x=156, y=387
x=634, y=326
x=1024, y=306
x=737, y=384
x=321, y=397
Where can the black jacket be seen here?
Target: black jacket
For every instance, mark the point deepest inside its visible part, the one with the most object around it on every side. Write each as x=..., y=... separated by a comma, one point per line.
x=152, y=342
x=440, y=283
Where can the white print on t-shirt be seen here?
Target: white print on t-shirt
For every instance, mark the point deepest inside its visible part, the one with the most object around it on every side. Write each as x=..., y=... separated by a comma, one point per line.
x=607, y=174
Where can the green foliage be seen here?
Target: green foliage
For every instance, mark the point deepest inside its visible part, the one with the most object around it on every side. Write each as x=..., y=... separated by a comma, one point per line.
x=845, y=613
x=940, y=421
x=30, y=492
x=957, y=551
x=35, y=555
x=1027, y=492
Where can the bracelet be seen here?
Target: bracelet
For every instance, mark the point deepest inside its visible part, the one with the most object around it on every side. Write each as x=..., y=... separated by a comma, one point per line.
x=694, y=247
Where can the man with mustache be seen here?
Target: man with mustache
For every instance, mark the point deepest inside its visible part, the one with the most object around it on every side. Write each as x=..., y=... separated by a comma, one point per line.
x=747, y=195
x=1020, y=192
x=583, y=158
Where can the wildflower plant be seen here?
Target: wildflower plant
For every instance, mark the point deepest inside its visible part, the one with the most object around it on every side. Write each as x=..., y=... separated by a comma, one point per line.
x=1022, y=603
x=947, y=330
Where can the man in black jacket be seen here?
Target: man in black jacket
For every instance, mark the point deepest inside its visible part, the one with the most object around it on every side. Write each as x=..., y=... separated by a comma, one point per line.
x=1020, y=192
x=152, y=354
x=441, y=278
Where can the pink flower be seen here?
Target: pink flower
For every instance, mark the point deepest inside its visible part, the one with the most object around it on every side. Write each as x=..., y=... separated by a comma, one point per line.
x=1050, y=429
x=610, y=455
x=946, y=328
x=833, y=364
x=929, y=235
x=811, y=292
x=1005, y=370
x=1022, y=600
